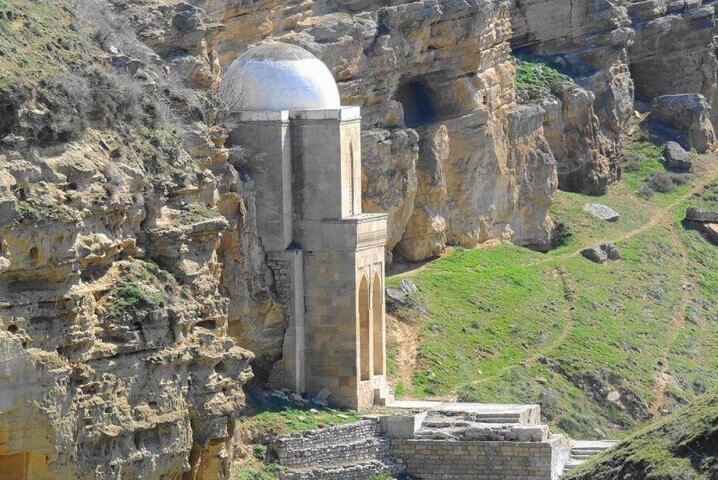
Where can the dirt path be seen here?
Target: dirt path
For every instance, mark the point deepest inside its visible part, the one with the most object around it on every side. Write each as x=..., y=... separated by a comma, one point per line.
x=660, y=216
x=407, y=336
x=678, y=321
x=569, y=292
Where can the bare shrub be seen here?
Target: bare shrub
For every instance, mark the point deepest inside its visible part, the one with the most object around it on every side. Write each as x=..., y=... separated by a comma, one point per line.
x=663, y=182
x=231, y=93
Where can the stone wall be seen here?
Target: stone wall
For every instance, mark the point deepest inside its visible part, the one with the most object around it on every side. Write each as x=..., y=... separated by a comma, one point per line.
x=473, y=460
x=338, y=444
x=427, y=446
x=346, y=452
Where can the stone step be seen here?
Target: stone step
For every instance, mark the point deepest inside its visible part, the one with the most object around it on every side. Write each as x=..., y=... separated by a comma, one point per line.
x=583, y=456
x=592, y=444
x=584, y=450
x=363, y=470
x=496, y=418
x=571, y=464
x=370, y=448
x=477, y=412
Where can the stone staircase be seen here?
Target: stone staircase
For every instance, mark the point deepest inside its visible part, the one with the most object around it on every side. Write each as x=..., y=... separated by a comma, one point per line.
x=584, y=450
x=358, y=451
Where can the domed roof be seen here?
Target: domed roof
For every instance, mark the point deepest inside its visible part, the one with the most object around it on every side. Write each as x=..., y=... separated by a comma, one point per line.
x=278, y=76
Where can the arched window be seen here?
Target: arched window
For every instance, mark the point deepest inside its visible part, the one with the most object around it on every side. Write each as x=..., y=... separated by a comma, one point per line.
x=378, y=320
x=364, y=337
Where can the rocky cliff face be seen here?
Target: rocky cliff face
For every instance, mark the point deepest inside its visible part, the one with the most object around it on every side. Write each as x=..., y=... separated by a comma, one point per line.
x=123, y=224
x=133, y=287
x=419, y=67
x=588, y=40
x=674, y=49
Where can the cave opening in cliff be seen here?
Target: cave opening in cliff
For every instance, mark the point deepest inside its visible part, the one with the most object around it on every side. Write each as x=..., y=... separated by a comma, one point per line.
x=418, y=101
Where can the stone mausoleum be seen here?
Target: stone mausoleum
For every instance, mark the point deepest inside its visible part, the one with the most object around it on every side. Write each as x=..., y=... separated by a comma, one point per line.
x=327, y=256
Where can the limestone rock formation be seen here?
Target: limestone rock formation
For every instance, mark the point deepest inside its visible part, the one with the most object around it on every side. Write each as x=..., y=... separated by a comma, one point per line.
x=674, y=49
x=676, y=158
x=417, y=67
x=683, y=118
x=581, y=149
x=588, y=39
x=118, y=201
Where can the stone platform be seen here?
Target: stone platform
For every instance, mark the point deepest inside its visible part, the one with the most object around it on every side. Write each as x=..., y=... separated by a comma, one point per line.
x=436, y=441
x=480, y=412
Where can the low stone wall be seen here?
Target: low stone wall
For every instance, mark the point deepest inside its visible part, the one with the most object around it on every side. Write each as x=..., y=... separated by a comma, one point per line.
x=297, y=449
x=476, y=460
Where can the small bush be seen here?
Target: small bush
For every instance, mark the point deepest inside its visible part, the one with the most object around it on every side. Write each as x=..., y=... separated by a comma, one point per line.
x=632, y=161
x=75, y=102
x=259, y=451
x=141, y=284
x=663, y=182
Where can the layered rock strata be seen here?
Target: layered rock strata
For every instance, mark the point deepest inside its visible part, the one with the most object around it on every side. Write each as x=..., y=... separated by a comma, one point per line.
x=416, y=67
x=674, y=50
x=588, y=40
x=123, y=222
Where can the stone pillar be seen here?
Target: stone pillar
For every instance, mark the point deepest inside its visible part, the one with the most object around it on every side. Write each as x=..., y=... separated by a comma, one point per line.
x=267, y=135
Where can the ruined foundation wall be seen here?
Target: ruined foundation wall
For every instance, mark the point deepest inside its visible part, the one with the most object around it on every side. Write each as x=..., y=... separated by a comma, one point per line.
x=472, y=460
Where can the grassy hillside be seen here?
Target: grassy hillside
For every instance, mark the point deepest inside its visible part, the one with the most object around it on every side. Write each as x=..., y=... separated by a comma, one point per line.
x=603, y=348
x=681, y=446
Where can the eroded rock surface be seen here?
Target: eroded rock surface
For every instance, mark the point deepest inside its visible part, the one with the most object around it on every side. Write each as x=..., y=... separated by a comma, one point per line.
x=674, y=49
x=118, y=203
x=435, y=82
x=683, y=118
x=133, y=285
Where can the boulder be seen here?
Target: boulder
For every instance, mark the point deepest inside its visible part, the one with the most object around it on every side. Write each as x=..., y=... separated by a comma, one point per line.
x=404, y=296
x=710, y=231
x=595, y=254
x=698, y=215
x=676, y=158
x=611, y=251
x=602, y=253
x=602, y=211
x=684, y=118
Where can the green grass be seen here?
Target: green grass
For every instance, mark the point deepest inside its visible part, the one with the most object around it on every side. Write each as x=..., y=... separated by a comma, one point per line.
x=37, y=40
x=196, y=213
x=511, y=325
x=537, y=78
x=258, y=429
x=292, y=420
x=141, y=283
x=682, y=446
